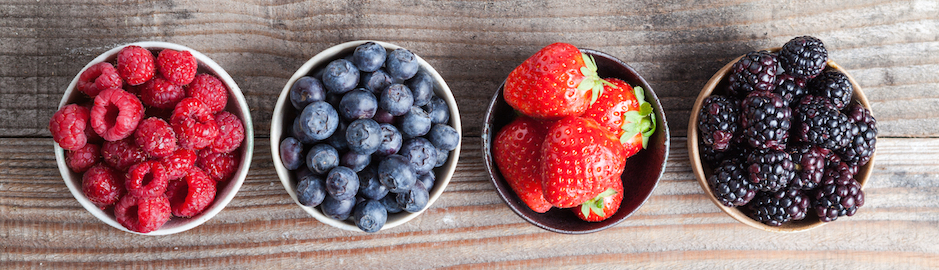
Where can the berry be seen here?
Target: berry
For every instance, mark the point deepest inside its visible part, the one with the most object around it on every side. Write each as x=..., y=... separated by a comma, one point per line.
x=338, y=139
x=68, y=126
x=178, y=67
x=210, y=90
x=217, y=166
x=391, y=140
x=376, y=81
x=730, y=184
x=422, y=88
x=401, y=64
x=340, y=76
x=97, y=78
x=415, y=199
x=122, y=154
x=833, y=200
x=714, y=158
x=833, y=86
x=442, y=156
x=311, y=190
x=819, y=123
x=790, y=89
x=369, y=56
x=81, y=159
x=421, y=153
x=355, y=161
x=770, y=170
x=803, y=57
x=516, y=150
x=115, y=114
x=337, y=209
x=765, y=120
x=390, y=202
x=780, y=207
x=306, y=90
x=155, y=137
x=369, y=185
x=198, y=193
x=383, y=117
x=438, y=110
x=291, y=153
x=358, y=104
x=161, y=93
x=755, y=71
x=428, y=179
x=318, y=120
x=322, y=158
x=135, y=65
x=444, y=137
x=194, y=124
x=861, y=147
x=396, y=173
x=146, y=179
x=396, y=99
x=809, y=161
x=555, y=82
x=364, y=136
x=603, y=206
x=102, y=185
x=717, y=121
x=415, y=123
x=370, y=215
x=144, y=214
x=231, y=132
x=178, y=164
x=342, y=183
x=579, y=158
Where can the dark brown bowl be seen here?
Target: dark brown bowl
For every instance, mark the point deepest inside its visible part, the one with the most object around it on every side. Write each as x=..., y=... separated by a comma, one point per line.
x=640, y=176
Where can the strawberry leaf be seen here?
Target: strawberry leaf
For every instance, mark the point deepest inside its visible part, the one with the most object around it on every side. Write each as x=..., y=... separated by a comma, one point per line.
x=596, y=204
x=639, y=122
x=592, y=81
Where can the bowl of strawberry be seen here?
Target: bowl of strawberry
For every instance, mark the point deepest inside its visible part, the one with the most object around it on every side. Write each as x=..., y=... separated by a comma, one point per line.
x=575, y=140
x=153, y=138
x=783, y=140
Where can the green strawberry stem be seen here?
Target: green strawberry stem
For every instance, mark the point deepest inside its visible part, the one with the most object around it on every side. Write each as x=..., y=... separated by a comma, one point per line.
x=592, y=81
x=596, y=204
x=636, y=122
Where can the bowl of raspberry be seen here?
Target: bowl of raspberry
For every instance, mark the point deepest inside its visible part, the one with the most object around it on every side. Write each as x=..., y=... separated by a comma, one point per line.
x=153, y=138
x=783, y=139
x=365, y=136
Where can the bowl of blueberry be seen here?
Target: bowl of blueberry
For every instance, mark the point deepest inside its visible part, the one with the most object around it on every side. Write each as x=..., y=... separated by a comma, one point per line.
x=153, y=138
x=783, y=139
x=365, y=136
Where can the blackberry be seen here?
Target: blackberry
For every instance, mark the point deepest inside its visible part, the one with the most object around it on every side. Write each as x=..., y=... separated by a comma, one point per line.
x=820, y=123
x=861, y=147
x=770, y=170
x=765, y=120
x=809, y=161
x=780, y=207
x=730, y=185
x=803, y=57
x=755, y=71
x=839, y=173
x=717, y=121
x=791, y=89
x=834, y=200
x=834, y=86
x=713, y=158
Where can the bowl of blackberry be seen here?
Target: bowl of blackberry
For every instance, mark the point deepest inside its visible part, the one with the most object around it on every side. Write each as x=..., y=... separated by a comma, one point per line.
x=153, y=138
x=365, y=136
x=783, y=139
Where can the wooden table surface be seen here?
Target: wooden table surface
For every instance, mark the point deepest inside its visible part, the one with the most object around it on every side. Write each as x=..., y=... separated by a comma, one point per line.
x=890, y=47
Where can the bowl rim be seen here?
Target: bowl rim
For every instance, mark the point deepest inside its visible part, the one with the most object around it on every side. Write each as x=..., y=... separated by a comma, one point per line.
x=443, y=173
x=700, y=172
x=175, y=225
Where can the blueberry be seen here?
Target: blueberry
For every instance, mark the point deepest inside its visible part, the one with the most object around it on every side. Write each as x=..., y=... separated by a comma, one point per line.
x=369, y=57
x=396, y=99
x=342, y=183
x=420, y=153
x=438, y=110
x=390, y=202
x=340, y=76
x=376, y=81
x=337, y=209
x=338, y=139
x=318, y=120
x=415, y=199
x=390, y=140
x=370, y=215
x=322, y=158
x=311, y=190
x=401, y=64
x=355, y=161
x=396, y=173
x=358, y=104
x=383, y=116
x=422, y=88
x=363, y=136
x=291, y=153
x=306, y=90
x=444, y=137
x=427, y=180
x=442, y=156
x=369, y=185
x=298, y=134
x=415, y=123
x=334, y=99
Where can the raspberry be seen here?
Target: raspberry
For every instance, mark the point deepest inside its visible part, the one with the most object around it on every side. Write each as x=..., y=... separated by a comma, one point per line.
x=231, y=132
x=755, y=71
x=146, y=179
x=178, y=163
x=803, y=57
x=161, y=93
x=218, y=166
x=765, y=120
x=83, y=158
x=122, y=154
x=194, y=125
x=102, y=185
x=179, y=67
x=155, y=137
x=210, y=90
x=142, y=215
x=68, y=126
x=97, y=78
x=115, y=114
x=135, y=65
x=717, y=121
x=191, y=195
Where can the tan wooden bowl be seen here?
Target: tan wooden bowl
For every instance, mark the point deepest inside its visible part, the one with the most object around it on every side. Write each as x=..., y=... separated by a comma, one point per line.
x=702, y=171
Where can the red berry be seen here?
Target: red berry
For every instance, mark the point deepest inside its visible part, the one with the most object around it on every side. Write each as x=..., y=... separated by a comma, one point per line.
x=122, y=154
x=115, y=114
x=194, y=125
x=178, y=164
x=142, y=215
x=155, y=137
x=146, y=179
x=231, y=132
x=102, y=185
x=83, y=158
x=161, y=93
x=135, y=65
x=68, y=126
x=191, y=195
x=178, y=67
x=97, y=78
x=218, y=166
x=210, y=90
x=516, y=150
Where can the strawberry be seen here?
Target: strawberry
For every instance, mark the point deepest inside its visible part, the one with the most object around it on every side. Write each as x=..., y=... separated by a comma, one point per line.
x=579, y=159
x=623, y=110
x=516, y=151
x=603, y=206
x=556, y=82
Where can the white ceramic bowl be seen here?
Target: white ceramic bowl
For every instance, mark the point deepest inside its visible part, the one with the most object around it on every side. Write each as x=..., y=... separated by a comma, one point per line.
x=236, y=105
x=283, y=107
